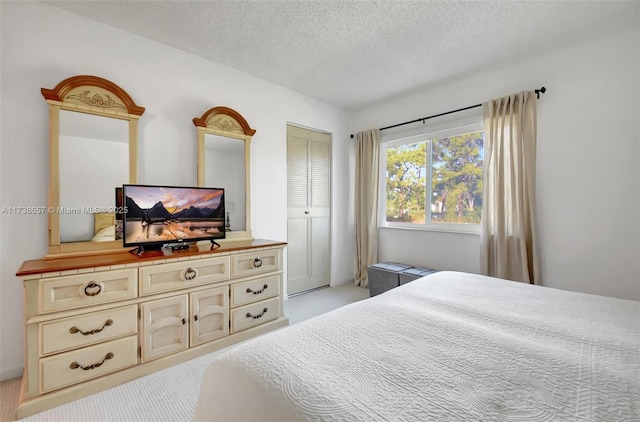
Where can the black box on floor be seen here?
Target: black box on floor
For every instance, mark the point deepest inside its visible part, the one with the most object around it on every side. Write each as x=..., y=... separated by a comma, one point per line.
x=384, y=276
x=414, y=273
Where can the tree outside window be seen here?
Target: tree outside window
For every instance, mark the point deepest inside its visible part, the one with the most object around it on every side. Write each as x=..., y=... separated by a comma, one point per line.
x=456, y=182
x=434, y=181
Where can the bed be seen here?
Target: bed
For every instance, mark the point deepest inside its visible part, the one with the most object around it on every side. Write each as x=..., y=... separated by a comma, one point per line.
x=447, y=347
x=105, y=227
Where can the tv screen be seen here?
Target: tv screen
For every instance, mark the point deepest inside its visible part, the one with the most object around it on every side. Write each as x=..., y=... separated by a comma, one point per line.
x=157, y=215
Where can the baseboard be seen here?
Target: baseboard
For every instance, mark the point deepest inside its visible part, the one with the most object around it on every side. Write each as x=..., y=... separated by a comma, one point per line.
x=306, y=291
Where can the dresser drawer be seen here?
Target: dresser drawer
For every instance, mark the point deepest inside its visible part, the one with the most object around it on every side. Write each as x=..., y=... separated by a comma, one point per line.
x=258, y=262
x=179, y=275
x=77, y=291
x=255, y=290
x=86, y=329
x=80, y=365
x=254, y=314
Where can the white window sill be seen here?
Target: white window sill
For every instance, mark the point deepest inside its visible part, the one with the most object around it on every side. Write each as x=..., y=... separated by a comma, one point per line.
x=473, y=229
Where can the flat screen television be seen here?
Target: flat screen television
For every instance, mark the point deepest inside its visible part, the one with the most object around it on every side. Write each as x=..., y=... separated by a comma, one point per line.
x=168, y=215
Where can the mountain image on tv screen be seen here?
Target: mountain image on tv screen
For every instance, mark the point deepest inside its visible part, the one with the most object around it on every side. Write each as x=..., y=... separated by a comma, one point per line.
x=163, y=214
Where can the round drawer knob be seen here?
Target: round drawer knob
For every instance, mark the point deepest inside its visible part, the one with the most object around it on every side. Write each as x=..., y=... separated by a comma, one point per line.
x=92, y=289
x=190, y=274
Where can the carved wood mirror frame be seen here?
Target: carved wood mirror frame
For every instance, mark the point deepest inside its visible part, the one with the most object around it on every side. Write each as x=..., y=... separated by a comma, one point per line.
x=97, y=96
x=226, y=122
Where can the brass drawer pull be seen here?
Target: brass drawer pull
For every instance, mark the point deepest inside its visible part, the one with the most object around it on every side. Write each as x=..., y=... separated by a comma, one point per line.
x=76, y=365
x=264, y=311
x=257, y=263
x=92, y=286
x=257, y=292
x=74, y=329
x=190, y=274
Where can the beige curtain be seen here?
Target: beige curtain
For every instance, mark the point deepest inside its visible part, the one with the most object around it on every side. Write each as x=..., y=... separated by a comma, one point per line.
x=509, y=244
x=366, y=206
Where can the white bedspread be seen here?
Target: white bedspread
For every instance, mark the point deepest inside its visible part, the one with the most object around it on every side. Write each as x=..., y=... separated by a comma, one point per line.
x=448, y=347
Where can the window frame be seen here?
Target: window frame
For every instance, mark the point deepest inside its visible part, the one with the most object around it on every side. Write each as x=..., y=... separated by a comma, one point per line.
x=426, y=133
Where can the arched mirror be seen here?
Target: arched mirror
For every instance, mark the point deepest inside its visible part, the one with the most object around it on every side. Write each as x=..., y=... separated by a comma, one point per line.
x=224, y=140
x=93, y=146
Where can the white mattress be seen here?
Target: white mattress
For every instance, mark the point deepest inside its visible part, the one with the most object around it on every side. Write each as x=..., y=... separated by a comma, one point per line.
x=448, y=347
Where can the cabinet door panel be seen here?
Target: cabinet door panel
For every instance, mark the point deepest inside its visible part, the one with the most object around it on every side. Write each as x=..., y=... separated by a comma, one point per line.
x=209, y=315
x=164, y=327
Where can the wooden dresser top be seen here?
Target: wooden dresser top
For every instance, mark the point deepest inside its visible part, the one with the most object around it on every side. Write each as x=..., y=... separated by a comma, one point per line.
x=48, y=265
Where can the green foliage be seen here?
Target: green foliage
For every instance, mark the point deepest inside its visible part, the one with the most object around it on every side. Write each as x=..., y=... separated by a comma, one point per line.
x=406, y=182
x=456, y=180
x=457, y=177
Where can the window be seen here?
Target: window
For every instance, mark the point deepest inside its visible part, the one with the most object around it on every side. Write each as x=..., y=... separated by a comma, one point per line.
x=433, y=180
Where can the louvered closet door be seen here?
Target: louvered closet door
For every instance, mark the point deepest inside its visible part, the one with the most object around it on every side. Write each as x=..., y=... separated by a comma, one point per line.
x=309, y=196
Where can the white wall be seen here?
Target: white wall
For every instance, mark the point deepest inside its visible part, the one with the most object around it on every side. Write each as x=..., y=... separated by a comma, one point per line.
x=588, y=184
x=41, y=45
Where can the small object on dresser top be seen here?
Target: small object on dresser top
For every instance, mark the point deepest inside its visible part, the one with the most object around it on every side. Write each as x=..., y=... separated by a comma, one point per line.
x=177, y=245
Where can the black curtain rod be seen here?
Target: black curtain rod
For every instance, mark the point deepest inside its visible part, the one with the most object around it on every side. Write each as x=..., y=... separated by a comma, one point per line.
x=537, y=91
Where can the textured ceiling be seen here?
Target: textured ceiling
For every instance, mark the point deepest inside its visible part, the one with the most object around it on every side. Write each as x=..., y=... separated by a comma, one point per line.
x=358, y=53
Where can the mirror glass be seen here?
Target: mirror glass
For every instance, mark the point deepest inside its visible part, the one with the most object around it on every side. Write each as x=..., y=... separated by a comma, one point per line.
x=224, y=154
x=93, y=150
x=225, y=168
x=93, y=161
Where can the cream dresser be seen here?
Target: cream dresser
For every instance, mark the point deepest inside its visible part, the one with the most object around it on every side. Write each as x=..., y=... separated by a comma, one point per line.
x=97, y=321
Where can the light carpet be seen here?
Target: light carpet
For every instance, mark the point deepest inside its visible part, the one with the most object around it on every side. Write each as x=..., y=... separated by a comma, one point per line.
x=170, y=394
